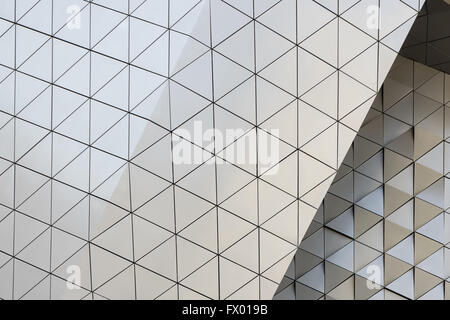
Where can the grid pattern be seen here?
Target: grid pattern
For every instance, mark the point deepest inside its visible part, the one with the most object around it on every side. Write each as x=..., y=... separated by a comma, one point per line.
x=383, y=230
x=429, y=39
x=96, y=98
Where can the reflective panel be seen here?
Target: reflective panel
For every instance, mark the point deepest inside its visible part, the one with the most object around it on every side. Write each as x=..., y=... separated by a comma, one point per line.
x=383, y=229
x=429, y=39
x=156, y=150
